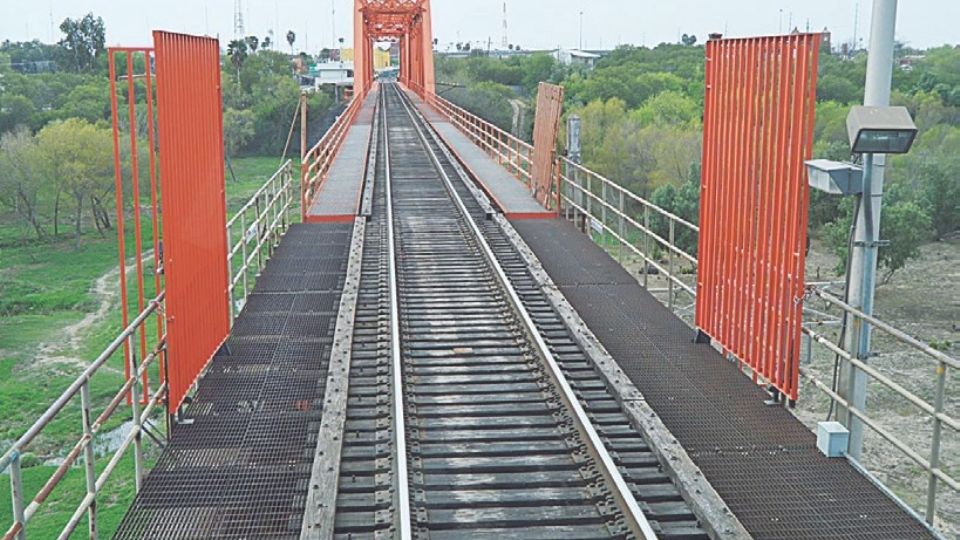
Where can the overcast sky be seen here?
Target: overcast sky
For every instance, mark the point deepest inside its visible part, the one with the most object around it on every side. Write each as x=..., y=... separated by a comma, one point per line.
x=532, y=24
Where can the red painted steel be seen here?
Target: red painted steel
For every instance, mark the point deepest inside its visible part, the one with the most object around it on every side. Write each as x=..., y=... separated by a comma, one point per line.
x=194, y=209
x=405, y=21
x=126, y=58
x=545, y=128
x=758, y=130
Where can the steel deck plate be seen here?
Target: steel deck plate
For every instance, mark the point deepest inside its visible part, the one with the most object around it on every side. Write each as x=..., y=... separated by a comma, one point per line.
x=239, y=467
x=761, y=459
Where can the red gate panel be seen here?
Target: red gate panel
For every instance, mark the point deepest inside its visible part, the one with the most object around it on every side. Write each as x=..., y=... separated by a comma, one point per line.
x=194, y=209
x=758, y=131
x=545, y=127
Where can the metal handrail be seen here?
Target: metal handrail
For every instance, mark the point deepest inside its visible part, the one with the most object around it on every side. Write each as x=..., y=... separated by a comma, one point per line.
x=579, y=196
x=317, y=161
x=11, y=459
x=510, y=151
x=262, y=220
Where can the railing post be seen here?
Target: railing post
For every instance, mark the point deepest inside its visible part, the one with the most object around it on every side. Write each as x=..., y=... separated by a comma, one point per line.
x=935, y=443
x=16, y=493
x=588, y=225
x=230, y=274
x=135, y=412
x=88, y=459
x=243, y=251
x=670, y=265
x=603, y=210
x=261, y=232
x=621, y=231
x=646, y=245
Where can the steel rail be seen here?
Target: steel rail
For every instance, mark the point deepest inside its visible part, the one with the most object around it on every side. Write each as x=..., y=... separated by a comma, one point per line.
x=632, y=514
x=402, y=480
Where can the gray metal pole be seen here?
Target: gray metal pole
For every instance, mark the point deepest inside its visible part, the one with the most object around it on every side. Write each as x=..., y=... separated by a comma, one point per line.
x=863, y=265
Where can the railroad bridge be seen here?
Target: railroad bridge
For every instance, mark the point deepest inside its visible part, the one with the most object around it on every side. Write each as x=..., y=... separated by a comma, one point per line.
x=442, y=332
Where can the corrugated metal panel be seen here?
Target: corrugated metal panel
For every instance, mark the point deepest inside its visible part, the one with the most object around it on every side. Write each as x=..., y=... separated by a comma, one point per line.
x=194, y=209
x=545, y=127
x=758, y=130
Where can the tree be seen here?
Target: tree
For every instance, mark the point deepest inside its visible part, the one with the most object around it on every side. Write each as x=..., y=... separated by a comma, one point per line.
x=20, y=185
x=80, y=156
x=907, y=227
x=83, y=42
x=939, y=182
x=267, y=43
x=253, y=42
x=688, y=40
x=291, y=39
x=238, y=129
x=237, y=51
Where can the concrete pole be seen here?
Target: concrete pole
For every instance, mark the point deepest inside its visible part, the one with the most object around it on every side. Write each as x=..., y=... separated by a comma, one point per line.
x=863, y=264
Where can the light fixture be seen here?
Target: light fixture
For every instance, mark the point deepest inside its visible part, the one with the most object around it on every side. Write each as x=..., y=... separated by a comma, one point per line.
x=880, y=130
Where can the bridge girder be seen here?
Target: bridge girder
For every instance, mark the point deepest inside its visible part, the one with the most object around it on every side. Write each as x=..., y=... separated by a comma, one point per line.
x=405, y=21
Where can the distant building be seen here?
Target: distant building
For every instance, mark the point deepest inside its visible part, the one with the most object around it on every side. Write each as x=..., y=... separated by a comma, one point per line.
x=576, y=57
x=907, y=62
x=331, y=73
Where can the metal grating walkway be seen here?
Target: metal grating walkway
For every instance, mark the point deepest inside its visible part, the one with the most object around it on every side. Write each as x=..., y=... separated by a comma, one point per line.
x=339, y=195
x=760, y=459
x=239, y=466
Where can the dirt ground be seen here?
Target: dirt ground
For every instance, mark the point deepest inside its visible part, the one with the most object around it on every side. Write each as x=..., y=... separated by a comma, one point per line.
x=923, y=300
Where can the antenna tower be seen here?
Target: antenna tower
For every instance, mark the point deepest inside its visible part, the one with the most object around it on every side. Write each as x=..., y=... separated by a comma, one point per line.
x=238, y=32
x=505, y=42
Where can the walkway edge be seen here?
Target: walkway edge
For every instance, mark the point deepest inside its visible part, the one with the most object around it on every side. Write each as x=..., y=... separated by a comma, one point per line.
x=715, y=516
x=320, y=510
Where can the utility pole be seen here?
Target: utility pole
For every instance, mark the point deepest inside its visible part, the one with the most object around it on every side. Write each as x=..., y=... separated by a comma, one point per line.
x=581, y=30
x=852, y=384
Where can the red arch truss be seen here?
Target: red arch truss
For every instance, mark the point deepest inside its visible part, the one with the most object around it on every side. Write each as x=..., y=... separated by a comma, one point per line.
x=404, y=21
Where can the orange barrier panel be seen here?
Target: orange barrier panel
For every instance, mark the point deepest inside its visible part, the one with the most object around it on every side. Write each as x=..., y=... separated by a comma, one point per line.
x=758, y=131
x=194, y=209
x=545, y=128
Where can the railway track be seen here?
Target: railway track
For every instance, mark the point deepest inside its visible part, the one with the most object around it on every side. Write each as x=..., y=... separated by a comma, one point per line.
x=471, y=411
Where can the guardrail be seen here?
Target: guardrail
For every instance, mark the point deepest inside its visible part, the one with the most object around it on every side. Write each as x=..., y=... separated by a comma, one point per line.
x=511, y=152
x=254, y=232
x=129, y=392
x=935, y=411
x=317, y=161
x=634, y=223
x=608, y=212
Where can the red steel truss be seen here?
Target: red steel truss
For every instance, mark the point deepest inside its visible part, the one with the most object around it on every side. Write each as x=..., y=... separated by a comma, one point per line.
x=405, y=21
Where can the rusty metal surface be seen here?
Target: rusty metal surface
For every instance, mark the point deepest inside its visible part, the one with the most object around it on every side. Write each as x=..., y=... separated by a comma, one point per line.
x=758, y=130
x=194, y=209
x=545, y=128
x=238, y=466
x=760, y=459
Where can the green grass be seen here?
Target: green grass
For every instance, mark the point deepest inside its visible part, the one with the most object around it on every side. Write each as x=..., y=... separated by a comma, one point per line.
x=45, y=287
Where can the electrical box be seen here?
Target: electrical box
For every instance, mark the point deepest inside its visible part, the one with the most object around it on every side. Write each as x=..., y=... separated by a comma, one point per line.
x=835, y=177
x=832, y=439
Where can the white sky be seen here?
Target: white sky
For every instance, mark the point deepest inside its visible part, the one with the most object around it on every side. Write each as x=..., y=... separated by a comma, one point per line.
x=533, y=24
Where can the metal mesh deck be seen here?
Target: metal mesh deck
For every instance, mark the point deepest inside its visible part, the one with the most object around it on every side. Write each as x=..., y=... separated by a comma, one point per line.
x=760, y=459
x=239, y=466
